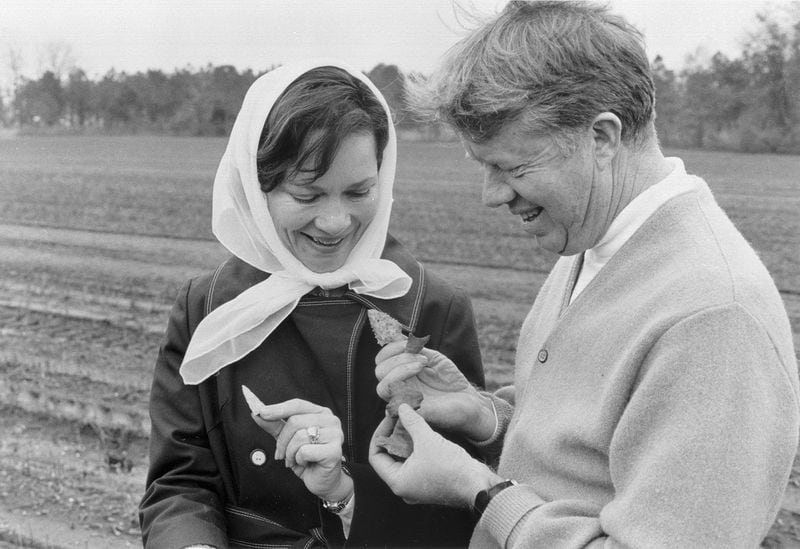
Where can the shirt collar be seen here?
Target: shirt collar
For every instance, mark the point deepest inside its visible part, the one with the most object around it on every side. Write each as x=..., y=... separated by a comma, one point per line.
x=640, y=209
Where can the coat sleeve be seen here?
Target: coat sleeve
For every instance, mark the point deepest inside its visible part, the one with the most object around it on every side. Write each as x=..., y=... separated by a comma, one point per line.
x=181, y=505
x=699, y=458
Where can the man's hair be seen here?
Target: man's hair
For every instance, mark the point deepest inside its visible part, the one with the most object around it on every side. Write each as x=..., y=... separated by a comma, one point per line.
x=553, y=65
x=309, y=121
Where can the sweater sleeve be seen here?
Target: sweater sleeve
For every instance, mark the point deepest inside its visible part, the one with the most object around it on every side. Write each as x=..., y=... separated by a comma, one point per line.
x=181, y=505
x=699, y=458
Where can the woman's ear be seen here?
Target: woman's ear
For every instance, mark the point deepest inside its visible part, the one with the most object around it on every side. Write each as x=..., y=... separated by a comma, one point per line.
x=607, y=132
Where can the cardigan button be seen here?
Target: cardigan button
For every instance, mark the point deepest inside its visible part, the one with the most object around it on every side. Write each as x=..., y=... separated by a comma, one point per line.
x=542, y=356
x=258, y=457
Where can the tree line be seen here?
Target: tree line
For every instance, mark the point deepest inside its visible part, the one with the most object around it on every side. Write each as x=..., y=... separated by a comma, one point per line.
x=748, y=103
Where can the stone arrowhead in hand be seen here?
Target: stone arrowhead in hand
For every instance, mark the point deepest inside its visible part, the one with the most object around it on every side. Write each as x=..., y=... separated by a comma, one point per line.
x=399, y=443
x=272, y=426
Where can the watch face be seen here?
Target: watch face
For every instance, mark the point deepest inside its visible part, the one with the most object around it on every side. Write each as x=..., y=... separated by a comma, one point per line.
x=481, y=501
x=336, y=507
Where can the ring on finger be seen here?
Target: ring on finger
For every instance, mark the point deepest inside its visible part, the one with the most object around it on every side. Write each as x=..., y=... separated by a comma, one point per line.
x=313, y=434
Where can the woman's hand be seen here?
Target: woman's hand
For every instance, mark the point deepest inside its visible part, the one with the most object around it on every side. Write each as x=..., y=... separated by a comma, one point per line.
x=437, y=471
x=450, y=402
x=310, y=444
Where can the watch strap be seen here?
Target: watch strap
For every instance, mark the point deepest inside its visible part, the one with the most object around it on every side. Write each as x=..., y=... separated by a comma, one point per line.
x=483, y=497
x=336, y=507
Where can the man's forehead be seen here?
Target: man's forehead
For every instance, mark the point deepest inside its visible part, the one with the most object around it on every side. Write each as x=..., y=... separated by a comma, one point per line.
x=510, y=144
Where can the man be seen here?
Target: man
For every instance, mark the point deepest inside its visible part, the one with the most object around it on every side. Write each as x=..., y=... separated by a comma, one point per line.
x=655, y=397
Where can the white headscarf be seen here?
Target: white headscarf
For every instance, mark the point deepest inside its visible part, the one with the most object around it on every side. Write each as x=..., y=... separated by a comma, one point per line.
x=242, y=223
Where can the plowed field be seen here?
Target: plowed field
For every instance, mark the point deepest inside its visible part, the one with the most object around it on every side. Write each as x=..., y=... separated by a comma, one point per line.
x=96, y=235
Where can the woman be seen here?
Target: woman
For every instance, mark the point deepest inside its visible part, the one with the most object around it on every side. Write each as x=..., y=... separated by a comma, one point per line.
x=302, y=200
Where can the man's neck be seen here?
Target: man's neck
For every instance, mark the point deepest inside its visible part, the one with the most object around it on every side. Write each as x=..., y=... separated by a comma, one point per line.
x=636, y=170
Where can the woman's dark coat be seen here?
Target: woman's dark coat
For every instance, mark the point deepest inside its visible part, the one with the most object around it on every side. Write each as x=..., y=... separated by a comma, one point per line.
x=208, y=482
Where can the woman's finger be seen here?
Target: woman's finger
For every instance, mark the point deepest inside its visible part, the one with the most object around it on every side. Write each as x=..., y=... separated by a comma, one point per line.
x=302, y=421
x=324, y=436
x=272, y=426
x=298, y=470
x=308, y=454
x=300, y=437
x=295, y=406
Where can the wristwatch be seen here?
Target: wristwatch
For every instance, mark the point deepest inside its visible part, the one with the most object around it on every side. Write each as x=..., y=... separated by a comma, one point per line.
x=336, y=507
x=485, y=496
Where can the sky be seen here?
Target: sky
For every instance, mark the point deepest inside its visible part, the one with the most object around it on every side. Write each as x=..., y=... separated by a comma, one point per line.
x=413, y=34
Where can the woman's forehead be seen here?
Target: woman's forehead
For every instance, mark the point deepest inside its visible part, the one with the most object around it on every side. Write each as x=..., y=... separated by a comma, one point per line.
x=353, y=163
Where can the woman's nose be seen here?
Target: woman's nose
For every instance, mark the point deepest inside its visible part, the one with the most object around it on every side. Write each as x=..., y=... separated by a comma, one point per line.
x=496, y=192
x=333, y=221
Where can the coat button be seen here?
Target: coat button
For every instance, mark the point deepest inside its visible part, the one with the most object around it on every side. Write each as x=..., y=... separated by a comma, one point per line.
x=542, y=355
x=258, y=457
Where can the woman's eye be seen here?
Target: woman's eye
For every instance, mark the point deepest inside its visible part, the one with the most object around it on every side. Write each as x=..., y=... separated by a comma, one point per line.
x=361, y=193
x=305, y=199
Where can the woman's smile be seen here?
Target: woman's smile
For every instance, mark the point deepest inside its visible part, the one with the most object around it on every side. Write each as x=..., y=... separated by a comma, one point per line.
x=325, y=242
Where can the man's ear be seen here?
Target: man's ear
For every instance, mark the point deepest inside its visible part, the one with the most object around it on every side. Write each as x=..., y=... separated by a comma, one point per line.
x=607, y=132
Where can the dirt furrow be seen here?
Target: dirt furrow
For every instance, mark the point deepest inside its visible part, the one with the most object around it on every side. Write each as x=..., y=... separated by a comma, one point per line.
x=95, y=349
x=65, y=477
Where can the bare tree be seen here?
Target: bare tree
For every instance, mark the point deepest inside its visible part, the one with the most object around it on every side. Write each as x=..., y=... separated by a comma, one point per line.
x=15, y=66
x=58, y=58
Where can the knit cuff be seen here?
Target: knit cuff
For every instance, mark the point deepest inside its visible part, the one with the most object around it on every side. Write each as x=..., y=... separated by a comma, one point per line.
x=503, y=411
x=506, y=510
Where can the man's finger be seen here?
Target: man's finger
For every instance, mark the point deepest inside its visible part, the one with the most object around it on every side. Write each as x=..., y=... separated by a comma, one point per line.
x=391, y=349
x=401, y=373
x=383, y=464
x=413, y=422
x=384, y=428
x=385, y=367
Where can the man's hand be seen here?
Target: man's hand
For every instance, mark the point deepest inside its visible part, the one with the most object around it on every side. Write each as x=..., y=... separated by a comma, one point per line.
x=437, y=471
x=450, y=402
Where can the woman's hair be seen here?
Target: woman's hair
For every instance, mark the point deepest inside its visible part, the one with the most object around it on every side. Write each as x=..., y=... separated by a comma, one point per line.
x=309, y=121
x=553, y=65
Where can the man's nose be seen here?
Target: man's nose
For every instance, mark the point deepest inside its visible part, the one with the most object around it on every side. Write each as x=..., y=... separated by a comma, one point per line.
x=496, y=191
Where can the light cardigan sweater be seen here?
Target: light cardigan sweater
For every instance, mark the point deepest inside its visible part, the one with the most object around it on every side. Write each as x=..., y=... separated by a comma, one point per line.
x=660, y=407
